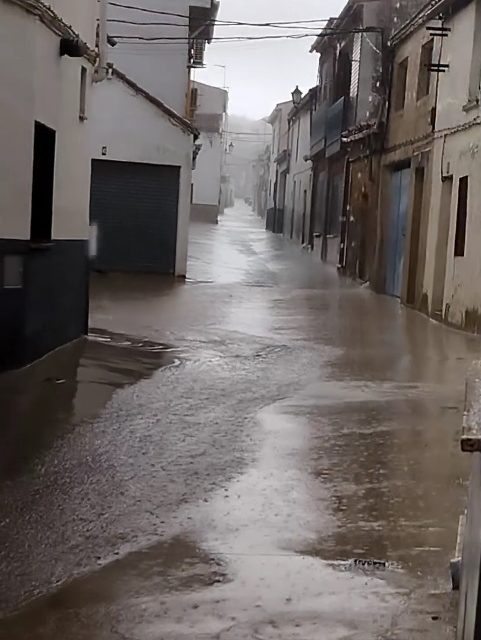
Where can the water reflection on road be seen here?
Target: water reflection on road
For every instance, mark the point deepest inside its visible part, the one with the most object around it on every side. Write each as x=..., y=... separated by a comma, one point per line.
x=307, y=422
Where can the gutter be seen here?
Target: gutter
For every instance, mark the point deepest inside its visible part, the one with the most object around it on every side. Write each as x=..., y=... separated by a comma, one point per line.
x=173, y=116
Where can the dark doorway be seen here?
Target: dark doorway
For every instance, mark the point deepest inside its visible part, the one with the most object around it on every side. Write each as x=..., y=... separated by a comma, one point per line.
x=415, y=233
x=42, y=183
x=304, y=215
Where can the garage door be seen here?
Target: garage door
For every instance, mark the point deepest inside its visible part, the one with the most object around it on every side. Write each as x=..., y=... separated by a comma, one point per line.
x=133, y=210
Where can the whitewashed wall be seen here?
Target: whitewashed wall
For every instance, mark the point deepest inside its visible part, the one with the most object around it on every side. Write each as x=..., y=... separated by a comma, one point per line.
x=279, y=143
x=161, y=69
x=81, y=14
x=457, y=153
x=211, y=99
x=37, y=84
x=300, y=177
x=207, y=174
x=134, y=130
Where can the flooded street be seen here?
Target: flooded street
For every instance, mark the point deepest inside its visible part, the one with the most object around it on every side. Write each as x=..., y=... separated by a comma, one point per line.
x=212, y=460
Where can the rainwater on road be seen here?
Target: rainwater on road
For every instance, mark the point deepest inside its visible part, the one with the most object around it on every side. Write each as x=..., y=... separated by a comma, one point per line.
x=211, y=460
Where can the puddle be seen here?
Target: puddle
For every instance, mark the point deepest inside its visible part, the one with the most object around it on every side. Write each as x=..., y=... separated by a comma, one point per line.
x=136, y=583
x=54, y=395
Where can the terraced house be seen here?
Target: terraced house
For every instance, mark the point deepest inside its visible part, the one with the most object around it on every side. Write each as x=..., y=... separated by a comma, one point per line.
x=48, y=55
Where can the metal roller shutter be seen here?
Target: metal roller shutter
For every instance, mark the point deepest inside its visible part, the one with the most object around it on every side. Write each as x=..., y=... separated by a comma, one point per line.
x=134, y=207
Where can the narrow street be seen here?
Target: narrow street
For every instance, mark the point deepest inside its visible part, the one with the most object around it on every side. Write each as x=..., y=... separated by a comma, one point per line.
x=212, y=460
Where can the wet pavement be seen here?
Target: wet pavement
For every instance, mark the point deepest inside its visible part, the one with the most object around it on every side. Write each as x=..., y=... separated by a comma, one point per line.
x=212, y=460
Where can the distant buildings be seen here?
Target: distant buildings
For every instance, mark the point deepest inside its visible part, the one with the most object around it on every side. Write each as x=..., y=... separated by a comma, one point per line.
x=395, y=138
x=276, y=201
x=208, y=114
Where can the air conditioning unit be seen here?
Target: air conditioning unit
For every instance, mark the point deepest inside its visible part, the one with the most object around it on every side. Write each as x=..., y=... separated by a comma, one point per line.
x=197, y=53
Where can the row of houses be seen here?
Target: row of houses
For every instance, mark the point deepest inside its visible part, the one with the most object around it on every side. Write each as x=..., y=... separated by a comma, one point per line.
x=100, y=123
x=376, y=167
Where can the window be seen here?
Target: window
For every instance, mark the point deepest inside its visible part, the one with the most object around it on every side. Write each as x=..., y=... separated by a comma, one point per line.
x=461, y=219
x=83, y=94
x=42, y=183
x=400, y=85
x=424, y=77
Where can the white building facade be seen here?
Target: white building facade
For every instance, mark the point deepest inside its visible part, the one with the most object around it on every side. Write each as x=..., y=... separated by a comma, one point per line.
x=453, y=263
x=45, y=75
x=141, y=179
x=279, y=167
x=159, y=42
x=299, y=182
x=209, y=110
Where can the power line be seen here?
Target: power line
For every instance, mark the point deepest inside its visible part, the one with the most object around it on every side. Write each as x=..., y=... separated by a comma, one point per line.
x=217, y=22
x=242, y=133
x=178, y=39
x=142, y=23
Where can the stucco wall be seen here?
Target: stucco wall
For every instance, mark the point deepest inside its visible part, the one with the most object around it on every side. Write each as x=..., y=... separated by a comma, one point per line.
x=414, y=120
x=211, y=99
x=37, y=84
x=160, y=68
x=279, y=143
x=80, y=14
x=454, y=85
x=300, y=178
x=133, y=130
x=462, y=293
x=207, y=173
x=457, y=153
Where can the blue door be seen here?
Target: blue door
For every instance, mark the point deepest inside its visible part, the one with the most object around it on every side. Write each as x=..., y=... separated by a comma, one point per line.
x=396, y=233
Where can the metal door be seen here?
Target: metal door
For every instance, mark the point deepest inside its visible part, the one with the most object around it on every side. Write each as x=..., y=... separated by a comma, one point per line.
x=396, y=233
x=134, y=210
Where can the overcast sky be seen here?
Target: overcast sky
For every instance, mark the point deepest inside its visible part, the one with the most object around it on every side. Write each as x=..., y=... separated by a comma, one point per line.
x=260, y=74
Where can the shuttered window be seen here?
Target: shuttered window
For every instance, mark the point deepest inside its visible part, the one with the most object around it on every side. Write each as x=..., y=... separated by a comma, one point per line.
x=356, y=66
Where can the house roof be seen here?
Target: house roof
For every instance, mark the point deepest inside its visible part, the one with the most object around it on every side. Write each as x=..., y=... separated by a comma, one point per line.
x=176, y=118
x=277, y=110
x=334, y=23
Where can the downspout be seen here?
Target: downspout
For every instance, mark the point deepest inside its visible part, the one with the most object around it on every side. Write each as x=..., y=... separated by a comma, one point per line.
x=100, y=72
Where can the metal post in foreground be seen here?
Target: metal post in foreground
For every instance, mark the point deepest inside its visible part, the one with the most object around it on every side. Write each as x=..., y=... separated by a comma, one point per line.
x=469, y=619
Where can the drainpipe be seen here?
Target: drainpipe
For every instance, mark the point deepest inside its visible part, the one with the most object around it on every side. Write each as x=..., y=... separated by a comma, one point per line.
x=100, y=72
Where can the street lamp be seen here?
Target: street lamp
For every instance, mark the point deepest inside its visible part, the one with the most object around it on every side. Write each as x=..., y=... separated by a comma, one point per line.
x=231, y=148
x=296, y=96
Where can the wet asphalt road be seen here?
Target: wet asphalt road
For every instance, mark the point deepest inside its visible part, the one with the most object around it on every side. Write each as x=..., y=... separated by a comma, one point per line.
x=208, y=464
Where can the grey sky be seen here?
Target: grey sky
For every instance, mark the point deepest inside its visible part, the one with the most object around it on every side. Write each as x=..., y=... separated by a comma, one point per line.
x=260, y=74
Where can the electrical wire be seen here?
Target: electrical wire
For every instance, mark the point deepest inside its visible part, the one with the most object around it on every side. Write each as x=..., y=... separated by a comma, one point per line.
x=136, y=23
x=217, y=22
x=285, y=36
